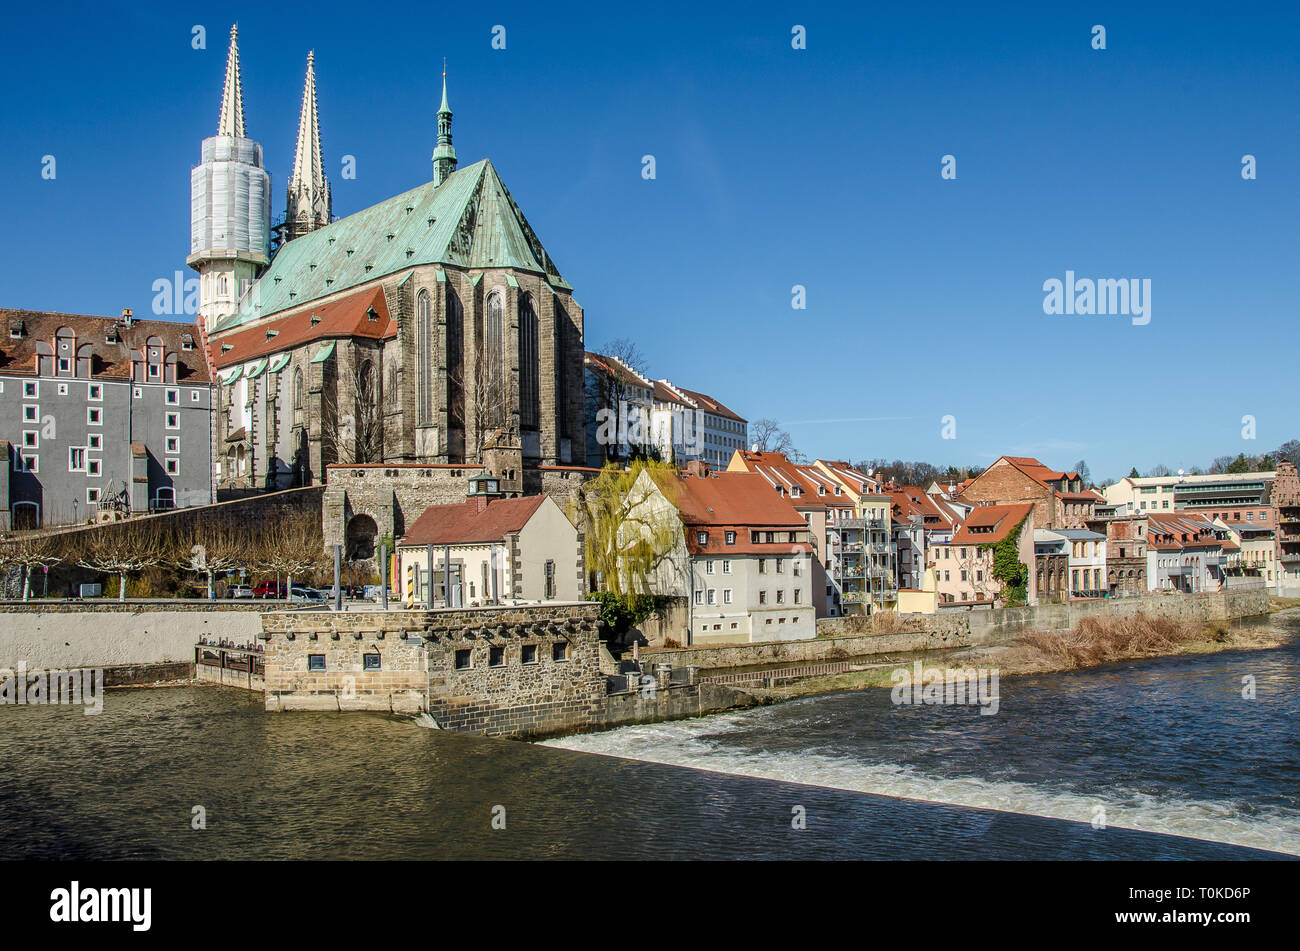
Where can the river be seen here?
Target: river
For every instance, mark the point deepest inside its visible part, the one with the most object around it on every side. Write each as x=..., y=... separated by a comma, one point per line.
x=1182, y=765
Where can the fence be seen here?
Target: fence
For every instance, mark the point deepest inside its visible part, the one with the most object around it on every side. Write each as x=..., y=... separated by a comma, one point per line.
x=783, y=673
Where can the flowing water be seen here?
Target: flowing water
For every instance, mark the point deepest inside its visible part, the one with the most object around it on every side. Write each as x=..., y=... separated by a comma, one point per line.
x=1182, y=765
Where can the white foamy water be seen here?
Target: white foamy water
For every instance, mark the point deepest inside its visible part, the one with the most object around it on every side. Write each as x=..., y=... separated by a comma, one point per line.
x=695, y=744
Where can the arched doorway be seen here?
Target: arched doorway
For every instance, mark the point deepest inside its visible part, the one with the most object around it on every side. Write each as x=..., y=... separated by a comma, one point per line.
x=25, y=516
x=359, y=540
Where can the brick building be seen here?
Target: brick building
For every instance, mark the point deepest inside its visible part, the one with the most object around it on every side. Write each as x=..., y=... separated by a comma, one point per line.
x=1059, y=498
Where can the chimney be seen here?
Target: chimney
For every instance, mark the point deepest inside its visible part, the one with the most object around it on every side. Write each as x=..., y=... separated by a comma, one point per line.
x=698, y=468
x=127, y=316
x=480, y=503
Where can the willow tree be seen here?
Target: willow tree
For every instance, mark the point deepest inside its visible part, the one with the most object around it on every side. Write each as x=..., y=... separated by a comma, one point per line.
x=633, y=529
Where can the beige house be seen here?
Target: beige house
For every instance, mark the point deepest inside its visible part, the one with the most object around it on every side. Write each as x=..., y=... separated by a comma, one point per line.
x=499, y=550
x=964, y=565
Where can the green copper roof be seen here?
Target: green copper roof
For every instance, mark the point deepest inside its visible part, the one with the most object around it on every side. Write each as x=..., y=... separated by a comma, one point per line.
x=469, y=221
x=277, y=363
x=323, y=353
x=254, y=370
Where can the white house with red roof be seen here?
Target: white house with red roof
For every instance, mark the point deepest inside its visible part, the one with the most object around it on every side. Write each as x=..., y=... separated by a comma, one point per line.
x=964, y=564
x=499, y=550
x=745, y=554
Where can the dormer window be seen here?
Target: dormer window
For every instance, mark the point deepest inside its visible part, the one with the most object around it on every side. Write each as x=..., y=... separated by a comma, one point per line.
x=187, y=342
x=110, y=335
x=371, y=315
x=16, y=329
x=701, y=538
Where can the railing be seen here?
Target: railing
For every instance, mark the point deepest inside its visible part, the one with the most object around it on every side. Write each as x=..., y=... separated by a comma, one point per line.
x=783, y=673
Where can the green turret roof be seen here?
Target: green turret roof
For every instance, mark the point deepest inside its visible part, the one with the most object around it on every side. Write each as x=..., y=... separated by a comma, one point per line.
x=469, y=221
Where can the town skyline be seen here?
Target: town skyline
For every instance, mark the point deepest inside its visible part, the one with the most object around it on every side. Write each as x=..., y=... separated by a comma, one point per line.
x=956, y=264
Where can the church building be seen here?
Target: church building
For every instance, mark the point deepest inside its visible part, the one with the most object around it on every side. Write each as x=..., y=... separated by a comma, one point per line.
x=421, y=330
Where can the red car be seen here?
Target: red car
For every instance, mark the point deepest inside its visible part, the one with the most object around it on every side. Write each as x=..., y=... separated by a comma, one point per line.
x=269, y=589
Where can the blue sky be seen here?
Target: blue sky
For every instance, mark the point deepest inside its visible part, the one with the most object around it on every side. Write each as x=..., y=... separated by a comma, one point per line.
x=775, y=167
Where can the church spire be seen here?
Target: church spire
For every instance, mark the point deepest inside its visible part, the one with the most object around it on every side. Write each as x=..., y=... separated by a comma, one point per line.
x=444, y=156
x=308, y=192
x=232, y=95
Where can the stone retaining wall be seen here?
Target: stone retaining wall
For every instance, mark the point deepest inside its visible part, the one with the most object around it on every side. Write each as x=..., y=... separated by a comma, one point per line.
x=949, y=629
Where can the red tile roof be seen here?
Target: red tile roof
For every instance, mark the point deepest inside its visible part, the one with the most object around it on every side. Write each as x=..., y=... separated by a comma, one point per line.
x=911, y=500
x=617, y=369
x=463, y=523
x=732, y=501
x=110, y=360
x=1165, y=532
x=1001, y=518
x=346, y=317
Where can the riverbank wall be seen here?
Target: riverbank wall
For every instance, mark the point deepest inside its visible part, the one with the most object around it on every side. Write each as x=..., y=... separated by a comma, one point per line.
x=133, y=642
x=950, y=629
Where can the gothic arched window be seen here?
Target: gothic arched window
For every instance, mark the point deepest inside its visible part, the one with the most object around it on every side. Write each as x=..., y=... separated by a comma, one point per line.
x=423, y=360
x=492, y=375
x=529, y=410
x=455, y=358
x=297, y=389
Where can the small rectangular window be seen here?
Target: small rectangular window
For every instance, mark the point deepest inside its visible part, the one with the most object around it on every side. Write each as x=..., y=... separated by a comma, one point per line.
x=731, y=538
x=173, y=420
x=701, y=538
x=173, y=397
x=315, y=661
x=31, y=439
x=95, y=442
x=173, y=466
x=92, y=496
x=194, y=396
x=496, y=655
x=63, y=389
x=31, y=414
x=76, y=459
x=65, y=365
x=95, y=391
x=31, y=390
x=94, y=416
x=726, y=595
x=462, y=659
x=560, y=651
x=528, y=654
x=173, y=444
x=93, y=467
x=370, y=662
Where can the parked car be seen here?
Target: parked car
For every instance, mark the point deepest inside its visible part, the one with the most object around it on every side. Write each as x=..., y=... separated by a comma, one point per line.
x=306, y=595
x=269, y=589
x=239, y=591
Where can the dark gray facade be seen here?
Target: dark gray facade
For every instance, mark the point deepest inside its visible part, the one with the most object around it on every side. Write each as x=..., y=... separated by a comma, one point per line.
x=102, y=415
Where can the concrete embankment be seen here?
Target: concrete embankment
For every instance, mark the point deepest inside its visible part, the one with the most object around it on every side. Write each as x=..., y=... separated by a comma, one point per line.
x=137, y=642
x=956, y=629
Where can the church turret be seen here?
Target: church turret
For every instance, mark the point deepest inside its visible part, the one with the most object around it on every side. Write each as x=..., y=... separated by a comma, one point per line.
x=230, y=204
x=444, y=156
x=308, y=206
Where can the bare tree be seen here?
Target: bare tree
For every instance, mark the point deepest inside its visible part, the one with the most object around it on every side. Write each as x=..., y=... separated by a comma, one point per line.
x=622, y=381
x=29, y=553
x=123, y=549
x=488, y=396
x=768, y=436
x=216, y=546
x=356, y=437
x=293, y=545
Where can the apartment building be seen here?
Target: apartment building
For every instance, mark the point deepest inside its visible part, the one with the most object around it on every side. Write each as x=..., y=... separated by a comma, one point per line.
x=619, y=404
x=691, y=426
x=1186, y=553
x=824, y=506
x=964, y=565
x=101, y=415
x=865, y=571
x=916, y=522
x=1060, y=499
x=744, y=561
x=1286, y=497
